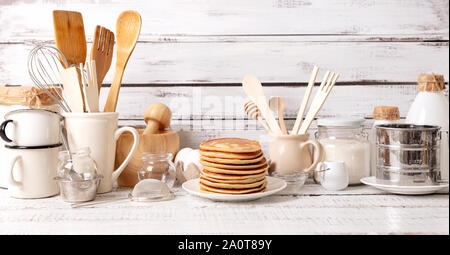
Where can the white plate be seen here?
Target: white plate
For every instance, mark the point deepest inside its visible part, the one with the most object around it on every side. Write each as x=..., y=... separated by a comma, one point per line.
x=403, y=190
x=273, y=185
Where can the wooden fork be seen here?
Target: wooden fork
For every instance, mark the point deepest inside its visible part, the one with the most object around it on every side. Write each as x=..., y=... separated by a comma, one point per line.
x=102, y=52
x=319, y=99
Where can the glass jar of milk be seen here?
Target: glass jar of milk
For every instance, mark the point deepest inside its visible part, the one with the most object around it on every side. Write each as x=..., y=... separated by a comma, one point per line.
x=345, y=140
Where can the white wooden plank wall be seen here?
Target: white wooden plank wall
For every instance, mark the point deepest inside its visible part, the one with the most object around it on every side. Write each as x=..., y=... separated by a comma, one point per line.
x=192, y=54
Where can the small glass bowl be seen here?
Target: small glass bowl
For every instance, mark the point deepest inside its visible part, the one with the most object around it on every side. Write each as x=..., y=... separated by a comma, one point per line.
x=294, y=181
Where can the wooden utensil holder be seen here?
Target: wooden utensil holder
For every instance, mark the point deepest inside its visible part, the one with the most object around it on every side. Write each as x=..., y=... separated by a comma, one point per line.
x=163, y=142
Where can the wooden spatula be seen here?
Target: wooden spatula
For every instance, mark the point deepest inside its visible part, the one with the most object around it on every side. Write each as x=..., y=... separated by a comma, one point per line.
x=69, y=36
x=90, y=89
x=253, y=88
x=102, y=52
x=74, y=96
x=128, y=28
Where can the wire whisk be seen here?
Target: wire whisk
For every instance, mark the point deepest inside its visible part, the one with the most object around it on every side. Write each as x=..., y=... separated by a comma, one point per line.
x=44, y=65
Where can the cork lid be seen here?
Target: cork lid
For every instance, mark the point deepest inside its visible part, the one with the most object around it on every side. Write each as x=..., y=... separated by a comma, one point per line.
x=431, y=82
x=386, y=113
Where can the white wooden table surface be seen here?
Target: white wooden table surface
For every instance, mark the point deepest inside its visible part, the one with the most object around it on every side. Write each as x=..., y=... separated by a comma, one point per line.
x=312, y=210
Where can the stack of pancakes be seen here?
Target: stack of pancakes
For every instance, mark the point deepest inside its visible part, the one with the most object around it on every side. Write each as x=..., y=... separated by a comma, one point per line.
x=232, y=166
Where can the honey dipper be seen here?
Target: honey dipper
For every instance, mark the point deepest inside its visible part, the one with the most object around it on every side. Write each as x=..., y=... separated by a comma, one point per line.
x=252, y=111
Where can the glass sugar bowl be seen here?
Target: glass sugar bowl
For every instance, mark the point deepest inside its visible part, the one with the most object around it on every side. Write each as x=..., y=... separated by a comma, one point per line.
x=158, y=166
x=345, y=140
x=78, y=160
x=77, y=176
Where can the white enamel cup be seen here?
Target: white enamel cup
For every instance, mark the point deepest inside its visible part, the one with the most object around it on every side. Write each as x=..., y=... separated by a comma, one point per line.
x=332, y=175
x=32, y=171
x=31, y=127
x=99, y=131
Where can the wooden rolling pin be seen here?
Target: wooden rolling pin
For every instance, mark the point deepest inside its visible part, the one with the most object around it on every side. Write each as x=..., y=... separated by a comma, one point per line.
x=155, y=138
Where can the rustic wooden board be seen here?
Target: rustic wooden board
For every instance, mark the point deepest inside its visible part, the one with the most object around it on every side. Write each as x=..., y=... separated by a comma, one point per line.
x=226, y=102
x=280, y=214
x=228, y=62
x=415, y=18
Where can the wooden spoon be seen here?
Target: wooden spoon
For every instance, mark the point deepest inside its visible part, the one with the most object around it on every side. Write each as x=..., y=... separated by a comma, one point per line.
x=128, y=28
x=252, y=86
x=102, y=52
x=276, y=104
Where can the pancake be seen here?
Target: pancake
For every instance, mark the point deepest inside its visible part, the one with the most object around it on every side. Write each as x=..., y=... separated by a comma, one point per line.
x=237, y=172
x=233, y=181
x=232, y=161
x=234, y=145
x=233, y=186
x=230, y=155
x=234, y=167
x=208, y=189
x=231, y=176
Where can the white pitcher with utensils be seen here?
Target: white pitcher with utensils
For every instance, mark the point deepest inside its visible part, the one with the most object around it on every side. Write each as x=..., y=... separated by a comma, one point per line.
x=99, y=131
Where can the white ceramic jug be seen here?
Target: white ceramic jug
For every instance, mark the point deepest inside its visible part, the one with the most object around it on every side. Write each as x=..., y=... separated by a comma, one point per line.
x=99, y=132
x=431, y=107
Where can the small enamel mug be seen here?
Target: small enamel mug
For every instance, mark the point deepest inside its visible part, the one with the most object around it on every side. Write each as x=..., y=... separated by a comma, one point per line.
x=32, y=171
x=31, y=127
x=291, y=154
x=332, y=175
x=99, y=131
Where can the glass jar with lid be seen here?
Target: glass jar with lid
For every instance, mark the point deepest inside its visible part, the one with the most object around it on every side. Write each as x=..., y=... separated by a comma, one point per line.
x=381, y=115
x=158, y=166
x=345, y=140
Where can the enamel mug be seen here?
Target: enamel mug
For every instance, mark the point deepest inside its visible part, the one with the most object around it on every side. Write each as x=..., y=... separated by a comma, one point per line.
x=32, y=171
x=332, y=175
x=31, y=127
x=99, y=131
x=291, y=154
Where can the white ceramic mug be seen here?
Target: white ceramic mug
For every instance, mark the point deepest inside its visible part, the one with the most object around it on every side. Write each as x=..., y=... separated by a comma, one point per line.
x=32, y=171
x=32, y=127
x=99, y=131
x=332, y=175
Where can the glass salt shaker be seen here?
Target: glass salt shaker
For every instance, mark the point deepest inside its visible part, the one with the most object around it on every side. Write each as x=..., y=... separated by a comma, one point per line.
x=158, y=166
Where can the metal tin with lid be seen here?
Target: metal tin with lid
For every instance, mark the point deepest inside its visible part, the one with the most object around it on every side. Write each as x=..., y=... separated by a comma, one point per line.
x=407, y=154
